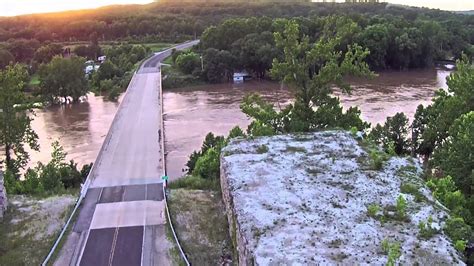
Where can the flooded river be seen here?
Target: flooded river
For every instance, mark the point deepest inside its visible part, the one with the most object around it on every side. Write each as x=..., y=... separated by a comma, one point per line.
x=192, y=112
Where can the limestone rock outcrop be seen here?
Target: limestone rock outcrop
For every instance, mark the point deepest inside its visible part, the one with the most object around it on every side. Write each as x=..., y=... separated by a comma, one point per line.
x=311, y=199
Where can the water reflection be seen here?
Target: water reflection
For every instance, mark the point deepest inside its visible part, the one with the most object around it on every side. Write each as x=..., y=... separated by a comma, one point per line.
x=80, y=129
x=193, y=112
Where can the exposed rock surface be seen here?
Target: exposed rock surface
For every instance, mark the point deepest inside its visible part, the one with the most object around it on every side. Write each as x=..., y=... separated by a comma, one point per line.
x=3, y=196
x=303, y=199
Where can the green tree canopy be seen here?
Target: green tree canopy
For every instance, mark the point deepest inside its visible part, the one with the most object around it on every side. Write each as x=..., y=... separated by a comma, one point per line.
x=5, y=58
x=311, y=70
x=431, y=125
x=188, y=62
x=15, y=119
x=455, y=156
x=44, y=54
x=63, y=78
x=393, y=134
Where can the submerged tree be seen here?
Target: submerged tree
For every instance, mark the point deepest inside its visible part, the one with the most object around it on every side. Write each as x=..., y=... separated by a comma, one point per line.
x=63, y=78
x=15, y=123
x=311, y=70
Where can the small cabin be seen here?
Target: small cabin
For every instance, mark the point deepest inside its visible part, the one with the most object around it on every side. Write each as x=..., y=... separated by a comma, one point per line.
x=240, y=77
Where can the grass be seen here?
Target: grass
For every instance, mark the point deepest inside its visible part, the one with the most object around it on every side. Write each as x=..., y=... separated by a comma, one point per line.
x=154, y=46
x=157, y=47
x=29, y=229
x=66, y=233
x=195, y=182
x=168, y=60
x=200, y=220
x=177, y=79
x=174, y=250
x=34, y=81
x=409, y=188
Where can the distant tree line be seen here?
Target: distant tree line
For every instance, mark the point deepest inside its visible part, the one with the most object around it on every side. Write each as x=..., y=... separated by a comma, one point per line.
x=394, y=43
x=174, y=21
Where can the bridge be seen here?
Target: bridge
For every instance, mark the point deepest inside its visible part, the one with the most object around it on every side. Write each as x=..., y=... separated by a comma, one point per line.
x=121, y=220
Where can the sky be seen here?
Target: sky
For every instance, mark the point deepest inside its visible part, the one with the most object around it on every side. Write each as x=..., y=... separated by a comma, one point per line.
x=18, y=7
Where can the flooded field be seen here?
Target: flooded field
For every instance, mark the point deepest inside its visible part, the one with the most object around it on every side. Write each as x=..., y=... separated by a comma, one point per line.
x=193, y=112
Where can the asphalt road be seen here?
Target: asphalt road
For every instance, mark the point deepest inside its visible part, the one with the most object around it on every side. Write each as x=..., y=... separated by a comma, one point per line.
x=121, y=221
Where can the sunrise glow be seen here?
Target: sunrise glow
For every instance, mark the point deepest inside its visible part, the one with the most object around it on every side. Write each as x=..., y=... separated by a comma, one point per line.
x=19, y=7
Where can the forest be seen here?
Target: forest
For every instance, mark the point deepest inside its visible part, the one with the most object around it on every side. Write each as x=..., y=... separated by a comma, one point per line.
x=171, y=21
x=235, y=36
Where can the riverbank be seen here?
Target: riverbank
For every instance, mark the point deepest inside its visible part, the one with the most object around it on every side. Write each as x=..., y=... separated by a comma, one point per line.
x=81, y=127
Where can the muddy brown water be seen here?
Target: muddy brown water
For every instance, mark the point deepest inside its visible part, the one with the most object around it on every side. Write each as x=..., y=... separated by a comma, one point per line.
x=193, y=112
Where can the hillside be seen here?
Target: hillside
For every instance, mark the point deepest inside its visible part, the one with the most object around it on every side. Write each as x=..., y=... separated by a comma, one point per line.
x=177, y=21
x=319, y=198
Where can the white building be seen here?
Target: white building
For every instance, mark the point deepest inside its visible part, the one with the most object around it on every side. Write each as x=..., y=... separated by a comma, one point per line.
x=101, y=59
x=239, y=77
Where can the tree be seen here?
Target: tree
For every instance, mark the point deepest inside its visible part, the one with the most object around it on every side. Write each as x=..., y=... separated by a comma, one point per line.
x=63, y=78
x=393, y=133
x=15, y=121
x=210, y=142
x=311, y=70
x=376, y=38
x=5, y=58
x=23, y=50
x=255, y=52
x=188, y=62
x=90, y=51
x=431, y=125
x=455, y=157
x=44, y=54
x=218, y=65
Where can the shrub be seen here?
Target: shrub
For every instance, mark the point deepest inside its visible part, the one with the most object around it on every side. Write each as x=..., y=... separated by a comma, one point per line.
x=354, y=131
x=188, y=62
x=460, y=245
x=444, y=189
x=236, y=132
x=210, y=141
x=372, y=210
x=426, y=231
x=401, y=207
x=262, y=149
x=392, y=249
x=207, y=166
x=51, y=178
x=457, y=229
x=377, y=158
x=409, y=188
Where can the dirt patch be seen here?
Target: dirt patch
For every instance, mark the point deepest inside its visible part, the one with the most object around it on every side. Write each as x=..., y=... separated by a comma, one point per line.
x=30, y=226
x=200, y=220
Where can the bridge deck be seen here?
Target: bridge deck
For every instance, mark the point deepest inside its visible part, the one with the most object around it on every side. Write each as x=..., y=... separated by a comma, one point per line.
x=121, y=221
